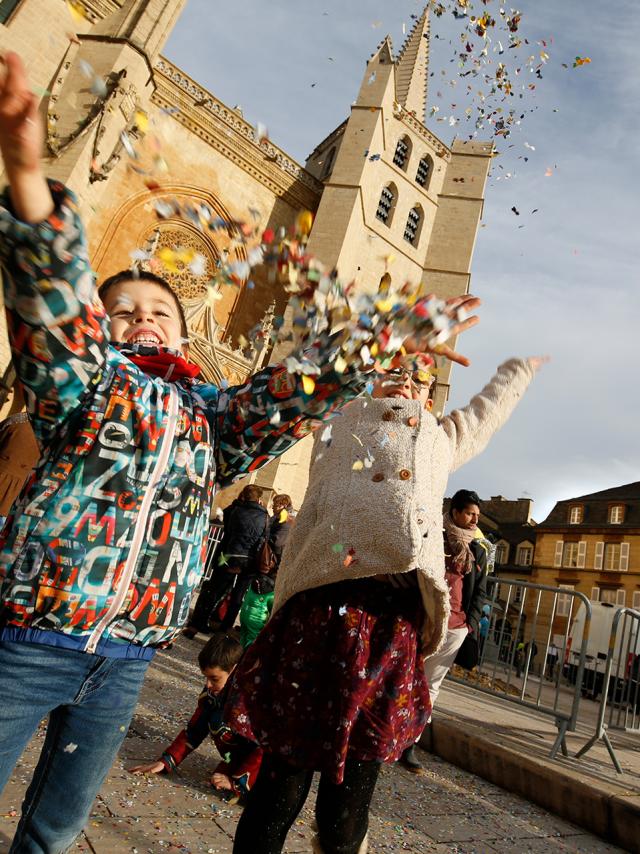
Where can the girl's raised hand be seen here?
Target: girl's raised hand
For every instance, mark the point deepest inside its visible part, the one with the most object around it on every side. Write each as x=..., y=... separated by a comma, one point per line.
x=464, y=303
x=537, y=362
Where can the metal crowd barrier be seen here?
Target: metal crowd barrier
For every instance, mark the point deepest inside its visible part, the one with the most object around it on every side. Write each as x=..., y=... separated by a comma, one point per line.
x=621, y=683
x=517, y=661
x=214, y=539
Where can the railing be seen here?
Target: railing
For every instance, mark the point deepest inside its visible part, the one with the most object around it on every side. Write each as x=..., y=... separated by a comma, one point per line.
x=620, y=683
x=213, y=541
x=533, y=619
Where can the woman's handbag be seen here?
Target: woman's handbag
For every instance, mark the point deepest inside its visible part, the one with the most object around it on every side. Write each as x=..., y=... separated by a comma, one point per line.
x=266, y=561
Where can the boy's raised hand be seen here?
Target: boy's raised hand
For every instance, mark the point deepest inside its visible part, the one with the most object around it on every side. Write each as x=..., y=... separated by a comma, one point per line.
x=148, y=768
x=21, y=134
x=21, y=141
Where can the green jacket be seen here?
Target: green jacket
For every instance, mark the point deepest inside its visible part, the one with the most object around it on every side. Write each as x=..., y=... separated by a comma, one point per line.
x=254, y=614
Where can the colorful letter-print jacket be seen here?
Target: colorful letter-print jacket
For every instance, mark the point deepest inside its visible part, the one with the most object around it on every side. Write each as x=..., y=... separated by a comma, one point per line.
x=105, y=546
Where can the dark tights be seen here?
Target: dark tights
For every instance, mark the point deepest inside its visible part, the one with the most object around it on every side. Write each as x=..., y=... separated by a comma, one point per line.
x=342, y=811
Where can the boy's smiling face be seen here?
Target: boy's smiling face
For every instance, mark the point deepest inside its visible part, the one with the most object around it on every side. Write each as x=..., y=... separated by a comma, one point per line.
x=142, y=312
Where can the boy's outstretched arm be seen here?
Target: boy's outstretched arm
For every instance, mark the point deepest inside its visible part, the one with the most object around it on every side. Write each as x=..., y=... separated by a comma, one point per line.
x=266, y=416
x=263, y=418
x=57, y=329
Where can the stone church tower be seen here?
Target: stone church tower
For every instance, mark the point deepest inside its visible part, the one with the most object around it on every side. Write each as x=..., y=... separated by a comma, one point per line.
x=391, y=200
x=398, y=202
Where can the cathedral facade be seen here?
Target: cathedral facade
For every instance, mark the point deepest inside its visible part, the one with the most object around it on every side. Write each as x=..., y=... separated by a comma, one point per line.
x=392, y=202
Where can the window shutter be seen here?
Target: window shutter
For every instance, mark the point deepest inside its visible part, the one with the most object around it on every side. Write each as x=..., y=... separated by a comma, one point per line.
x=635, y=602
x=582, y=553
x=621, y=597
x=624, y=557
x=595, y=594
x=557, y=560
x=597, y=563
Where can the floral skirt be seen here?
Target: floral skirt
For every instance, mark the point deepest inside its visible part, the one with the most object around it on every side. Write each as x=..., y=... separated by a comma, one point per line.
x=335, y=673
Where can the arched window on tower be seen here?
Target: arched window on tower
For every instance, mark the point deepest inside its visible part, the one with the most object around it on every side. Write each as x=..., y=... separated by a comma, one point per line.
x=387, y=203
x=403, y=153
x=329, y=160
x=414, y=225
x=425, y=169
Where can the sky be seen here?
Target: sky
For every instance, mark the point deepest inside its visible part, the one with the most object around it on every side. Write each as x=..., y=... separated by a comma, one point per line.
x=563, y=281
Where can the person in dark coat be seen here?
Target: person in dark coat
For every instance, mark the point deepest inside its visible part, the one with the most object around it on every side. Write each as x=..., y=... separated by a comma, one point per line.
x=258, y=601
x=246, y=523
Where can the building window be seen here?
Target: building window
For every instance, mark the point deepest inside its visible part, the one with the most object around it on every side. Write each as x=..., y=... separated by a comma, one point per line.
x=616, y=514
x=423, y=175
x=616, y=557
x=635, y=602
x=525, y=556
x=564, y=601
x=7, y=8
x=329, y=159
x=576, y=514
x=595, y=594
x=502, y=553
x=387, y=204
x=608, y=597
x=570, y=555
x=403, y=152
x=612, y=557
x=621, y=597
x=517, y=595
x=414, y=226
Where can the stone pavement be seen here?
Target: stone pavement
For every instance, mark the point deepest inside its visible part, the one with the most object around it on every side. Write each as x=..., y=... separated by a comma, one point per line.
x=446, y=810
x=509, y=744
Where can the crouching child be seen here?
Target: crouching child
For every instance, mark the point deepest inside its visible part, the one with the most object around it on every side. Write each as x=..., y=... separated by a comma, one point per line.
x=240, y=764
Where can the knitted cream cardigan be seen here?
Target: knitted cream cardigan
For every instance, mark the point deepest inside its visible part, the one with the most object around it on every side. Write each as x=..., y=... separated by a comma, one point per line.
x=388, y=509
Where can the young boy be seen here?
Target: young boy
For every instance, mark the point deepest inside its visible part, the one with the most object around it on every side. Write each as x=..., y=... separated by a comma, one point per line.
x=102, y=552
x=239, y=768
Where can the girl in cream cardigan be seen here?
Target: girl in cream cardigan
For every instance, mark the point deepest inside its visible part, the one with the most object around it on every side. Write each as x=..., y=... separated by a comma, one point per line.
x=335, y=682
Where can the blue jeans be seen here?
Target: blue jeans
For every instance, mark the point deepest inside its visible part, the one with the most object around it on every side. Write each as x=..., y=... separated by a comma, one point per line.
x=90, y=701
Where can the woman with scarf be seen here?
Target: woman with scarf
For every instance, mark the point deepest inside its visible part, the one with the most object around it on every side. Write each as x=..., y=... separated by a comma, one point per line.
x=465, y=561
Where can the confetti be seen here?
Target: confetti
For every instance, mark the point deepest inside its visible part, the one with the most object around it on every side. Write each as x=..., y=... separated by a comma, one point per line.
x=76, y=11
x=308, y=384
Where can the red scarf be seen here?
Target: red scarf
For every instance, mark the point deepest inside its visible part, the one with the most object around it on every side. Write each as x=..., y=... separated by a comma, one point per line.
x=165, y=365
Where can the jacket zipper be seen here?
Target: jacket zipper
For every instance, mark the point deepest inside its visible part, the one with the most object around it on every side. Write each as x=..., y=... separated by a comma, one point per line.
x=141, y=523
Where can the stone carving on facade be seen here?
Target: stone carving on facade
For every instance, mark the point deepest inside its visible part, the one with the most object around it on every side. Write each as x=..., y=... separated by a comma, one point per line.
x=206, y=101
x=89, y=115
x=220, y=362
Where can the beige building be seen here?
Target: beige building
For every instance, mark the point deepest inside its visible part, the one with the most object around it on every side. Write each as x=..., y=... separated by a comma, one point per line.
x=592, y=544
x=391, y=199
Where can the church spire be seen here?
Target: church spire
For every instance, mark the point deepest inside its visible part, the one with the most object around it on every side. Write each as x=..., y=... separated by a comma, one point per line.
x=412, y=68
x=145, y=23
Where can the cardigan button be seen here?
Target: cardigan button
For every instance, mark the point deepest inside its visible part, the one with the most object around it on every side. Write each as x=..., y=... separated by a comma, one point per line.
x=388, y=416
x=412, y=421
x=405, y=474
x=377, y=477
